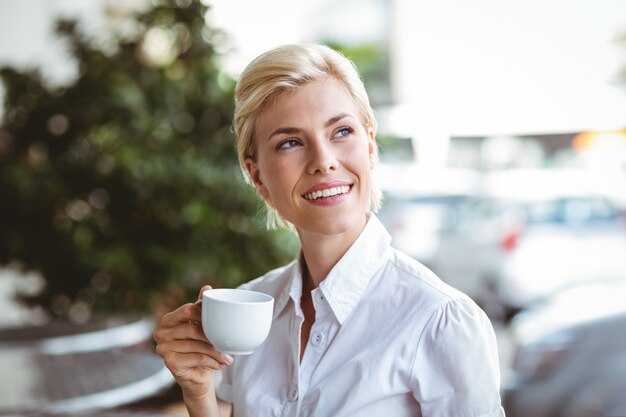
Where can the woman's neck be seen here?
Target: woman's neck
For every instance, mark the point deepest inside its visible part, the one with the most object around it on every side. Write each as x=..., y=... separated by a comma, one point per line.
x=322, y=252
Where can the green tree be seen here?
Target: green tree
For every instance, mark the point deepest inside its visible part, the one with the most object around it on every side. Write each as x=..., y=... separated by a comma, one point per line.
x=372, y=60
x=124, y=185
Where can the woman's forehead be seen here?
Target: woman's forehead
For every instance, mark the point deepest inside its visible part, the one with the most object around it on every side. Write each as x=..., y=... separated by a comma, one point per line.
x=315, y=102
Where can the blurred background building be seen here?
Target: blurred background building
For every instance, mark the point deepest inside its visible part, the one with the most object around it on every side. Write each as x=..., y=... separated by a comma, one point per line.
x=476, y=86
x=486, y=68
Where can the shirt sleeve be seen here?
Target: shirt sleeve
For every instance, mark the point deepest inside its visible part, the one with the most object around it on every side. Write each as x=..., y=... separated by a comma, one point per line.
x=456, y=370
x=223, y=384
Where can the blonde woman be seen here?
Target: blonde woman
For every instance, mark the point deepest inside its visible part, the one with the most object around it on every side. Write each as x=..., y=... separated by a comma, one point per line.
x=359, y=328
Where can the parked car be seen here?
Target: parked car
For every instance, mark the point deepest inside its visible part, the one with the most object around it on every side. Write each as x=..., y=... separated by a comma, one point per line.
x=420, y=203
x=415, y=221
x=570, y=358
x=521, y=241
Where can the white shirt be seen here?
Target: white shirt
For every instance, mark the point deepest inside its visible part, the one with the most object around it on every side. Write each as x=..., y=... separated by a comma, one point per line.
x=389, y=339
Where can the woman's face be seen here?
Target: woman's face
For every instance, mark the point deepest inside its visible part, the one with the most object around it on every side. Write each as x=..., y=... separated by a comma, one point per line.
x=314, y=159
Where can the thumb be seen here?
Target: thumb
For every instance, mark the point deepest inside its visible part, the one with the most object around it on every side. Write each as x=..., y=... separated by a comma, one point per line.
x=203, y=289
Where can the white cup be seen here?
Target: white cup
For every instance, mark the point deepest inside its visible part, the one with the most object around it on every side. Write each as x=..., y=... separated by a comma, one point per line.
x=236, y=321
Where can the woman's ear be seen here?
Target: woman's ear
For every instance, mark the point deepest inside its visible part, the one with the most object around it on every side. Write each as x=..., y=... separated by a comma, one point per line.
x=255, y=175
x=372, y=146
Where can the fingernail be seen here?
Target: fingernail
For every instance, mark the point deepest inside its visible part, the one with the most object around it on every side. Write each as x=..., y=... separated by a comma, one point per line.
x=229, y=359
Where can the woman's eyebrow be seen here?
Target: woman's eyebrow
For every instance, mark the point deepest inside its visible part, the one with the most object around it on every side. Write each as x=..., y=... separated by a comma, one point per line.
x=294, y=130
x=335, y=119
x=286, y=130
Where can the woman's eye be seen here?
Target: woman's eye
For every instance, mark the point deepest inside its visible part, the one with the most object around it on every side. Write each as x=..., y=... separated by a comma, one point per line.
x=287, y=144
x=343, y=132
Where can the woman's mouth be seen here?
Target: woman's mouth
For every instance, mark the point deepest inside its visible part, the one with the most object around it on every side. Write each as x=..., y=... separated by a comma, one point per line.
x=327, y=192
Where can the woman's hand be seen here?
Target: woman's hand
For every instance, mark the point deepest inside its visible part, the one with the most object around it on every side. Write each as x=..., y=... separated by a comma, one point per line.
x=187, y=353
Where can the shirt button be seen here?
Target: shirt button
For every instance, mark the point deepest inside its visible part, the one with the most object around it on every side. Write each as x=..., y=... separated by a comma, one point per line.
x=319, y=296
x=293, y=394
x=317, y=338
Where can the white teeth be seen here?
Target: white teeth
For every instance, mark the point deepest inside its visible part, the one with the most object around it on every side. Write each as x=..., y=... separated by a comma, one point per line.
x=329, y=192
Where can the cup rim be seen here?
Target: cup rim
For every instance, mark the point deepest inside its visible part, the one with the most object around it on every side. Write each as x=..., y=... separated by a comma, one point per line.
x=217, y=295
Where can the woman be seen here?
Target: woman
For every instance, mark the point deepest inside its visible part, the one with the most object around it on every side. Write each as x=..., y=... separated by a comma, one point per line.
x=359, y=328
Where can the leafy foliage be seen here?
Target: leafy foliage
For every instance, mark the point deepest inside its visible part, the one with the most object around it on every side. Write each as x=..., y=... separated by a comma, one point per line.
x=125, y=184
x=372, y=60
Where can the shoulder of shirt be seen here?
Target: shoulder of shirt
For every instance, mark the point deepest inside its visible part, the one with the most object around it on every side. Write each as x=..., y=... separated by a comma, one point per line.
x=417, y=277
x=274, y=281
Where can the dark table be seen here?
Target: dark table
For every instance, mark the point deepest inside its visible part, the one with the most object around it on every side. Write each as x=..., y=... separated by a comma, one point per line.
x=60, y=369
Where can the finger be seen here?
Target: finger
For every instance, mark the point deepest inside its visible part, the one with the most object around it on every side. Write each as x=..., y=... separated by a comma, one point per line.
x=185, y=313
x=180, y=363
x=182, y=331
x=194, y=346
x=190, y=346
x=188, y=338
x=203, y=289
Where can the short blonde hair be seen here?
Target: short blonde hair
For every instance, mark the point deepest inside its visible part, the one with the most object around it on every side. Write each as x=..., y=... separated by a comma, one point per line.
x=284, y=69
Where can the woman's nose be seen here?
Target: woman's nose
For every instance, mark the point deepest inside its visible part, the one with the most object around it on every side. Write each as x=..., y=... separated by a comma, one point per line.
x=321, y=158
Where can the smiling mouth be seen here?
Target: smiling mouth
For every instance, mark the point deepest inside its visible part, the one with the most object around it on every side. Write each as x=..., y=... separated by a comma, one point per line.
x=329, y=192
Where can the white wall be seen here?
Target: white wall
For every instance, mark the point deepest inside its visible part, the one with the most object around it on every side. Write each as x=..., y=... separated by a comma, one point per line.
x=505, y=67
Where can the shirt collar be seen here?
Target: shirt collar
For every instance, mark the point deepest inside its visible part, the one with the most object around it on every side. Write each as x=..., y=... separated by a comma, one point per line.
x=292, y=287
x=344, y=285
x=346, y=281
